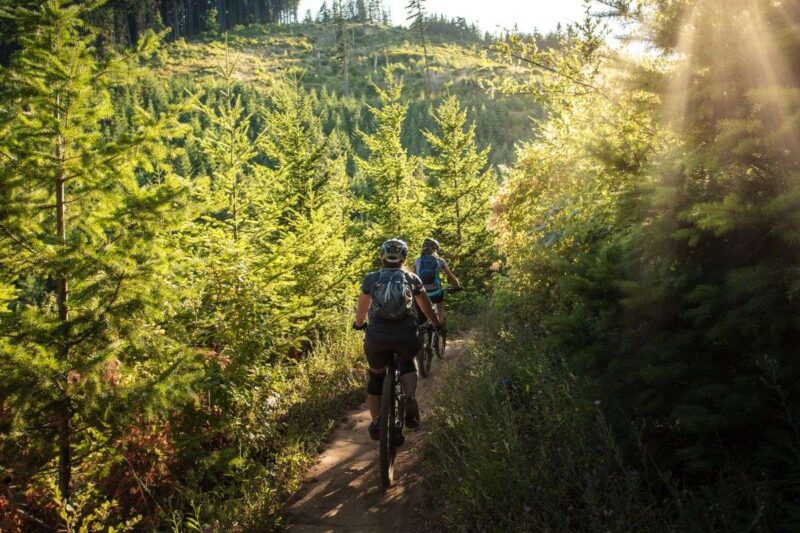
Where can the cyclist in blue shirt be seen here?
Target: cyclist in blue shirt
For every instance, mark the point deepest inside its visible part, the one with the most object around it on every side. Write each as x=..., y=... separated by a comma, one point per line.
x=428, y=267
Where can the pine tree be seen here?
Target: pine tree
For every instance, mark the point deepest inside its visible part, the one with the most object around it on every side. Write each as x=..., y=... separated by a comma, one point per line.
x=415, y=11
x=343, y=43
x=312, y=193
x=461, y=187
x=237, y=204
x=85, y=224
x=394, y=207
x=362, y=14
x=324, y=14
x=374, y=9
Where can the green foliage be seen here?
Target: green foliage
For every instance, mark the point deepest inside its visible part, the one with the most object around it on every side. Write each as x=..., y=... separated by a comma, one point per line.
x=515, y=447
x=458, y=197
x=315, y=206
x=396, y=195
x=661, y=261
x=84, y=235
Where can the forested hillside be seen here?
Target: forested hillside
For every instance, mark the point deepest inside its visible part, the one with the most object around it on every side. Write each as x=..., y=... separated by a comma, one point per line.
x=191, y=192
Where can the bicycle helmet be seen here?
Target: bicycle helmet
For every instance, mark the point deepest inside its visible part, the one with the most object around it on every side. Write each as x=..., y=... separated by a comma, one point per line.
x=394, y=251
x=431, y=244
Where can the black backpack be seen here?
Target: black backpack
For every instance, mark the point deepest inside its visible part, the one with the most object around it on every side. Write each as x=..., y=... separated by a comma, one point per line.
x=392, y=296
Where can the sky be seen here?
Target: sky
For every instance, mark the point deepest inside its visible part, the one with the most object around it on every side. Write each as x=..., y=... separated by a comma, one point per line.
x=491, y=16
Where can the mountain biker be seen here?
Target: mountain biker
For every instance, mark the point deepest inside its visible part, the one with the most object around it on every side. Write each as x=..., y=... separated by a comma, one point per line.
x=388, y=296
x=428, y=267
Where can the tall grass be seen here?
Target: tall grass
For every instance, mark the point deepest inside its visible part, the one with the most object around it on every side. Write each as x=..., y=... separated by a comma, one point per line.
x=513, y=448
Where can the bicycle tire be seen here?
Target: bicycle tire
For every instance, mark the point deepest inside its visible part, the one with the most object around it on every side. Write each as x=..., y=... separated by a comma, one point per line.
x=421, y=357
x=427, y=354
x=386, y=435
x=441, y=345
x=444, y=338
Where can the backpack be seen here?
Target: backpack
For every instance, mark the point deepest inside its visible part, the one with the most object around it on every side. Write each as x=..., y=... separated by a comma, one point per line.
x=392, y=297
x=428, y=268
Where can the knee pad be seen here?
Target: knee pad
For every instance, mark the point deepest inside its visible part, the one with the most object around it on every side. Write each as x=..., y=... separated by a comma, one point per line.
x=407, y=367
x=375, y=383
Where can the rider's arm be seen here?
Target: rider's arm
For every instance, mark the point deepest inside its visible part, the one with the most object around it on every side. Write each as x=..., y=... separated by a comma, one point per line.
x=424, y=303
x=362, y=307
x=451, y=277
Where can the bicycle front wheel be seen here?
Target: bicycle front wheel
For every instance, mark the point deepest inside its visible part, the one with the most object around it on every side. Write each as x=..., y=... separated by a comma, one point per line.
x=425, y=355
x=422, y=358
x=386, y=435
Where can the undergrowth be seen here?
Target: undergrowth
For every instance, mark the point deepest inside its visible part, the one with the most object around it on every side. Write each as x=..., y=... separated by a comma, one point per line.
x=516, y=446
x=314, y=391
x=513, y=448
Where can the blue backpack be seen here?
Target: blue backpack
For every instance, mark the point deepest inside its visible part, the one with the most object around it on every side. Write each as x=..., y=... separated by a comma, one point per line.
x=429, y=270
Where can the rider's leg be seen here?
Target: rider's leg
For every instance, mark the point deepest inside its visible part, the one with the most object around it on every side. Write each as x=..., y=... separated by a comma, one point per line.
x=408, y=379
x=378, y=358
x=440, y=311
x=374, y=389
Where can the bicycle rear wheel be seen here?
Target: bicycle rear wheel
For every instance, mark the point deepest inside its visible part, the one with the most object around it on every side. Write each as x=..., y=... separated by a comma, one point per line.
x=386, y=441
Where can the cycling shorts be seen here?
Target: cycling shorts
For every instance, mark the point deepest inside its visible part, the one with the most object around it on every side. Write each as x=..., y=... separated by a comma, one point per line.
x=436, y=296
x=379, y=355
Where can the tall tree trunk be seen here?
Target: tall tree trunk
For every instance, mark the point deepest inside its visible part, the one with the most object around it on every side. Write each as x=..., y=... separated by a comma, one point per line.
x=64, y=406
x=346, y=72
x=427, y=65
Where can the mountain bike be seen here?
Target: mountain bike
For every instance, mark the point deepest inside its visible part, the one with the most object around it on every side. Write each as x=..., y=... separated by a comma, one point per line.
x=391, y=422
x=432, y=342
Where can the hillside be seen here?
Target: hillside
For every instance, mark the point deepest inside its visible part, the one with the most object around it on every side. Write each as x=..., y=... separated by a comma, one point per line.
x=461, y=64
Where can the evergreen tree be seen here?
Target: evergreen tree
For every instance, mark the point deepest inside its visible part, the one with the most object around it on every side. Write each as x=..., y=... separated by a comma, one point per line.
x=85, y=224
x=237, y=205
x=458, y=198
x=394, y=207
x=362, y=14
x=324, y=14
x=343, y=44
x=312, y=192
x=211, y=21
x=374, y=10
x=415, y=10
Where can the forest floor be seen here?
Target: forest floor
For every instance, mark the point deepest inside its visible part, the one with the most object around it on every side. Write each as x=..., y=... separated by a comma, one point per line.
x=342, y=491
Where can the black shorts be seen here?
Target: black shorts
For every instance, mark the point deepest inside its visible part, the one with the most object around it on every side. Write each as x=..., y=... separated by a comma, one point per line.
x=438, y=298
x=379, y=355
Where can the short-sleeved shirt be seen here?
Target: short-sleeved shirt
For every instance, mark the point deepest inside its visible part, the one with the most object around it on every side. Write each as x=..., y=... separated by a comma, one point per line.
x=441, y=265
x=385, y=331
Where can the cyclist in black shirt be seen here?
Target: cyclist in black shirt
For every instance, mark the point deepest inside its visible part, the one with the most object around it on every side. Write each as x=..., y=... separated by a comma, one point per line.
x=388, y=296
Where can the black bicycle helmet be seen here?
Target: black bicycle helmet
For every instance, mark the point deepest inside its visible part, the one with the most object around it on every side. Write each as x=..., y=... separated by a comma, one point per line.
x=431, y=244
x=394, y=251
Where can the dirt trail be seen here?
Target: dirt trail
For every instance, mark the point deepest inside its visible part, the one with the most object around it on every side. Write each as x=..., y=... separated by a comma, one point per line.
x=342, y=491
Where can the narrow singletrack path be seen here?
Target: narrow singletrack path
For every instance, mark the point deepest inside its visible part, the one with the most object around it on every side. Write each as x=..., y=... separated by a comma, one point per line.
x=342, y=491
